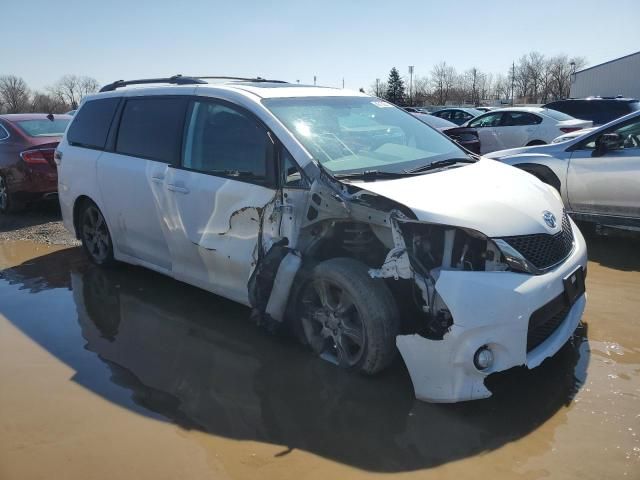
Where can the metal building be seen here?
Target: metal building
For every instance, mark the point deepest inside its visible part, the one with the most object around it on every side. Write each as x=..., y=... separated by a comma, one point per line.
x=615, y=77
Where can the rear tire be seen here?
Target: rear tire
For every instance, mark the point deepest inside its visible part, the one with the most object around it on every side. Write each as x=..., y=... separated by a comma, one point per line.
x=8, y=204
x=95, y=235
x=348, y=317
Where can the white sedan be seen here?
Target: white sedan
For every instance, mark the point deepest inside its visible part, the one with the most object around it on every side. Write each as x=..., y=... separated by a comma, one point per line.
x=522, y=126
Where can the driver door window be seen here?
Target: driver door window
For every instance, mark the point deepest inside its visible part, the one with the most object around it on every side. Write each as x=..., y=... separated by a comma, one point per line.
x=629, y=133
x=221, y=140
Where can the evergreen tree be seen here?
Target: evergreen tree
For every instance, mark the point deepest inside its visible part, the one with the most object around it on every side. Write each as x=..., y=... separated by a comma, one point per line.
x=395, y=88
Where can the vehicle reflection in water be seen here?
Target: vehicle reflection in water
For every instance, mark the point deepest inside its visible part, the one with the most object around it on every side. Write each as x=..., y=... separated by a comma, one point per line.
x=179, y=354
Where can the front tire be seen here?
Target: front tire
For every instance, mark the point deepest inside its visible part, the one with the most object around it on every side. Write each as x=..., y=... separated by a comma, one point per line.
x=348, y=317
x=95, y=235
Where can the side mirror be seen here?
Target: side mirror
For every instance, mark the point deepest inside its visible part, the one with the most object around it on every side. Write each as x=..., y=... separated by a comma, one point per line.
x=607, y=142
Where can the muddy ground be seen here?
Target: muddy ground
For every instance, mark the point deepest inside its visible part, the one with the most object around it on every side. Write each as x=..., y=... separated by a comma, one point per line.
x=40, y=224
x=126, y=374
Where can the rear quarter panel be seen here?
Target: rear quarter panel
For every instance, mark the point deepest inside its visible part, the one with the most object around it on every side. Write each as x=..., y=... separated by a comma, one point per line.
x=76, y=178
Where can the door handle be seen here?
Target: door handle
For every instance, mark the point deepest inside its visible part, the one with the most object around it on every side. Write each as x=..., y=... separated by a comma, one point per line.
x=157, y=179
x=177, y=188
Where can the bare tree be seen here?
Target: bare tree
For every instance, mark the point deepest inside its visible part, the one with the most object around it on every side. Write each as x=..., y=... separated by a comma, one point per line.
x=443, y=78
x=70, y=89
x=560, y=69
x=14, y=94
x=472, y=80
x=421, y=90
x=378, y=88
x=502, y=87
x=43, y=103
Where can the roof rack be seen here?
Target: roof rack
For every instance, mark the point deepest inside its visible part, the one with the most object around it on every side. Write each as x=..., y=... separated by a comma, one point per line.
x=242, y=79
x=176, y=79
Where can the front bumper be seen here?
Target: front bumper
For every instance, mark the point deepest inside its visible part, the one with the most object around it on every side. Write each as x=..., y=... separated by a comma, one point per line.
x=492, y=309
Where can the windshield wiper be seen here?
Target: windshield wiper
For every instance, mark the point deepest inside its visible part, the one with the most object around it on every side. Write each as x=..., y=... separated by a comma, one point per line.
x=371, y=175
x=441, y=163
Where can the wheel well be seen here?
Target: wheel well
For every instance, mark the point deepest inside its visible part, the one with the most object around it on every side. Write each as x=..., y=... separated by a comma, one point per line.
x=542, y=172
x=77, y=208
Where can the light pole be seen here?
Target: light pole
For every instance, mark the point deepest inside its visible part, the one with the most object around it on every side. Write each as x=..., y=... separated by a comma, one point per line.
x=513, y=79
x=314, y=80
x=410, y=84
x=572, y=75
x=378, y=87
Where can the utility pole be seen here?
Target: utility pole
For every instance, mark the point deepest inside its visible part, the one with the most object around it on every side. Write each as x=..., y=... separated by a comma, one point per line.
x=378, y=87
x=314, y=80
x=411, y=84
x=343, y=83
x=513, y=79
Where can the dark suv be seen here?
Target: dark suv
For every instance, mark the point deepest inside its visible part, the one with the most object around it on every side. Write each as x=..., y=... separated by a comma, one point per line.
x=599, y=110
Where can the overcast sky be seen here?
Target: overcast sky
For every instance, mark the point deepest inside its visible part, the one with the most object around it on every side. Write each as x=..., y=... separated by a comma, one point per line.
x=295, y=40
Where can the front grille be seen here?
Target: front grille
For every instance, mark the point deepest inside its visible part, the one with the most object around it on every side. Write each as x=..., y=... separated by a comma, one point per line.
x=544, y=250
x=546, y=320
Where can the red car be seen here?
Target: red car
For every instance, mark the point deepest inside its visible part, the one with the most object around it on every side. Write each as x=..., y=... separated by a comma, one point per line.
x=27, y=170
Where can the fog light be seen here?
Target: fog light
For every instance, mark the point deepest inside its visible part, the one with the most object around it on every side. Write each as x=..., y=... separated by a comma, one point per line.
x=483, y=358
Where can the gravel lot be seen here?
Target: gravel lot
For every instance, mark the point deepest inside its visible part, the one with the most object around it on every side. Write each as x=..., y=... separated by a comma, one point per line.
x=41, y=224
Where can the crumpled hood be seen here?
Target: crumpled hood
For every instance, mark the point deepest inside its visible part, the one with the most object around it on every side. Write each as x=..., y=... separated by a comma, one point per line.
x=488, y=196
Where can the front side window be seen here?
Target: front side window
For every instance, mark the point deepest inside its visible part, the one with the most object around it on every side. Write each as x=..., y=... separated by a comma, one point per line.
x=459, y=117
x=487, y=120
x=151, y=128
x=4, y=134
x=629, y=134
x=358, y=134
x=91, y=124
x=222, y=140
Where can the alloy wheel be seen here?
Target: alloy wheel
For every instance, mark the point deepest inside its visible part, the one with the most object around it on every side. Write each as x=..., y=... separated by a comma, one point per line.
x=332, y=323
x=95, y=234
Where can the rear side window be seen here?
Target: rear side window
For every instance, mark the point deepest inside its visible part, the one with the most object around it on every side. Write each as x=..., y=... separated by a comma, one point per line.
x=512, y=119
x=91, y=123
x=224, y=141
x=556, y=115
x=614, y=109
x=151, y=128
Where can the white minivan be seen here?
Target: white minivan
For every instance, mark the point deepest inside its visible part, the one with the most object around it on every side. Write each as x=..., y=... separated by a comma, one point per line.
x=332, y=213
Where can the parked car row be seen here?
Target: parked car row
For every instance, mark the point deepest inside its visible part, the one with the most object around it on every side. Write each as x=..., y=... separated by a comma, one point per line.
x=596, y=171
x=512, y=127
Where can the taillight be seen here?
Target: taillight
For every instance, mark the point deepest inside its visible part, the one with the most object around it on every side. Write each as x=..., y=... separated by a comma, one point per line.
x=33, y=157
x=569, y=129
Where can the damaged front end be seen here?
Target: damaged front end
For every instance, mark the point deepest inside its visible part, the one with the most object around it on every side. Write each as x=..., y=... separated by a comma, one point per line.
x=465, y=299
x=478, y=302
